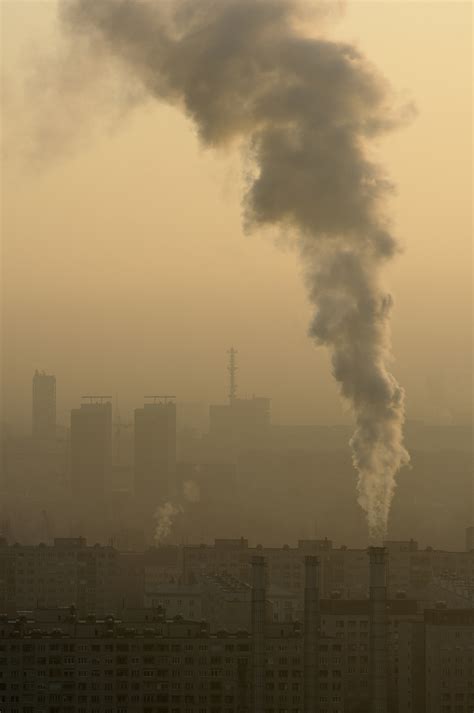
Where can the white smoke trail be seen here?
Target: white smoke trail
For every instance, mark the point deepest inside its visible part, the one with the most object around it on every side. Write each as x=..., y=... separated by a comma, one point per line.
x=165, y=514
x=191, y=491
x=306, y=108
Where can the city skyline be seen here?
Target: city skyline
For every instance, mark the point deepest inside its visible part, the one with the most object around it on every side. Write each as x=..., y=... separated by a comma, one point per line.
x=170, y=474
x=236, y=425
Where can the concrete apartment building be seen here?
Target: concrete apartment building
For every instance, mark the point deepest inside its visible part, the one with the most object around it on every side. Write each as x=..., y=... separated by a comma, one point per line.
x=55, y=661
x=416, y=573
x=177, y=600
x=227, y=603
x=162, y=565
x=221, y=600
x=103, y=580
x=155, y=451
x=141, y=665
x=95, y=579
x=91, y=453
x=349, y=621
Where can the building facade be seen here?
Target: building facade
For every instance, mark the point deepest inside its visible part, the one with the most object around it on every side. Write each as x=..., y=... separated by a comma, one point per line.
x=55, y=661
x=412, y=572
x=95, y=579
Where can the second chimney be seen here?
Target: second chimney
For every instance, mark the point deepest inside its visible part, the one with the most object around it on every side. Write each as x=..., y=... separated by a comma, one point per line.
x=258, y=632
x=311, y=633
x=378, y=631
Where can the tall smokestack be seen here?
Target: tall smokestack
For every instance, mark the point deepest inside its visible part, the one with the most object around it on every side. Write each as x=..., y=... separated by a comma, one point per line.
x=258, y=632
x=311, y=632
x=378, y=630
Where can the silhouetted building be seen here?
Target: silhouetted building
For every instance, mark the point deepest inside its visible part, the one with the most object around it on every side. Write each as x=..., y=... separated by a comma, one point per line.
x=155, y=452
x=44, y=406
x=242, y=423
x=95, y=579
x=222, y=600
x=91, y=452
x=352, y=626
x=185, y=600
x=162, y=565
x=141, y=661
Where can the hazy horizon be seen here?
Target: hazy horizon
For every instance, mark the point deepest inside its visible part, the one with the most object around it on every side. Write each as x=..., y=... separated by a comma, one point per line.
x=131, y=265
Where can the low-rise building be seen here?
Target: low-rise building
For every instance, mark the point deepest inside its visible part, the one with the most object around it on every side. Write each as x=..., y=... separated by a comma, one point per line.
x=69, y=572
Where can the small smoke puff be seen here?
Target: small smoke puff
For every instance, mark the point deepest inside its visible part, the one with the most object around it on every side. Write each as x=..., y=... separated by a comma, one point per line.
x=165, y=516
x=191, y=491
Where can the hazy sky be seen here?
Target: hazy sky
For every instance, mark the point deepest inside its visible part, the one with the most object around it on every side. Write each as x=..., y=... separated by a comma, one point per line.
x=125, y=266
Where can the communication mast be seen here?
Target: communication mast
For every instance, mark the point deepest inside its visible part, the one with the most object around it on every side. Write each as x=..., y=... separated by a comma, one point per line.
x=232, y=369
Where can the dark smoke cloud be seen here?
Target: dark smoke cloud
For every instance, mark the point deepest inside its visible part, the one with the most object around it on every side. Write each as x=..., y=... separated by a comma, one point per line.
x=306, y=109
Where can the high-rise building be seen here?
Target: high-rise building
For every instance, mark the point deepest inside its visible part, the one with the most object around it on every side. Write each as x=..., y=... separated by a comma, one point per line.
x=91, y=450
x=44, y=405
x=155, y=451
x=240, y=424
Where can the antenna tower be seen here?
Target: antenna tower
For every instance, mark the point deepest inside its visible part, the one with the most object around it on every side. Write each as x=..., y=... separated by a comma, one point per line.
x=232, y=369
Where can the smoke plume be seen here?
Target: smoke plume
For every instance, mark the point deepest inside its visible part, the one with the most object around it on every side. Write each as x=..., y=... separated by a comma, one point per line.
x=305, y=109
x=191, y=491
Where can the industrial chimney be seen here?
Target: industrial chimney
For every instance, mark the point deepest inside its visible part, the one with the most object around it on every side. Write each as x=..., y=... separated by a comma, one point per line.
x=311, y=632
x=378, y=631
x=258, y=632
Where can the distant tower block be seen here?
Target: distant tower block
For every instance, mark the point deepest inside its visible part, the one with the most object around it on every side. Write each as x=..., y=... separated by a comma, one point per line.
x=155, y=450
x=44, y=406
x=91, y=450
x=232, y=369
